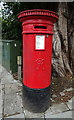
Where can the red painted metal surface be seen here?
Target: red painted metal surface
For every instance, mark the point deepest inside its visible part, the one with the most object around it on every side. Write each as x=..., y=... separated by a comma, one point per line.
x=37, y=33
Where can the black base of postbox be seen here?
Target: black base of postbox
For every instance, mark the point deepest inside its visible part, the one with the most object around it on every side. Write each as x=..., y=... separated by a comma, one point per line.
x=36, y=100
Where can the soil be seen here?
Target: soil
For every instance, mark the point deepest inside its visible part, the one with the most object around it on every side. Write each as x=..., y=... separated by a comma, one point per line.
x=59, y=85
x=15, y=76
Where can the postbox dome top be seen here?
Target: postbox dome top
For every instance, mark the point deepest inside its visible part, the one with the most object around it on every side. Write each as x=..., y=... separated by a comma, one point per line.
x=38, y=12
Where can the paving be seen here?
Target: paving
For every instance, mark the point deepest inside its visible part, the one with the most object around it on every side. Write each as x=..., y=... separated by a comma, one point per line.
x=67, y=114
x=1, y=101
x=11, y=104
x=33, y=115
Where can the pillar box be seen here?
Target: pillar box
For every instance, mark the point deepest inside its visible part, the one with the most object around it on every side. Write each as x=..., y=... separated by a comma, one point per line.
x=37, y=31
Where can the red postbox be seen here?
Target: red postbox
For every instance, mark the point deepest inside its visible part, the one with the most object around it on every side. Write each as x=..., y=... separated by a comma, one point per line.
x=37, y=33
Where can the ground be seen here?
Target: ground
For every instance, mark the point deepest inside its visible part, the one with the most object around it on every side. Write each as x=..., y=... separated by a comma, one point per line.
x=61, y=88
x=11, y=104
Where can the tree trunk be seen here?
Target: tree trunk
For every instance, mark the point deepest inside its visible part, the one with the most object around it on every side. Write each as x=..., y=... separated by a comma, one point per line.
x=71, y=34
x=61, y=59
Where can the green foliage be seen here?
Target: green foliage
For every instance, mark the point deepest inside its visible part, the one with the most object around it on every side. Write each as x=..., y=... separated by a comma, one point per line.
x=10, y=24
x=11, y=27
